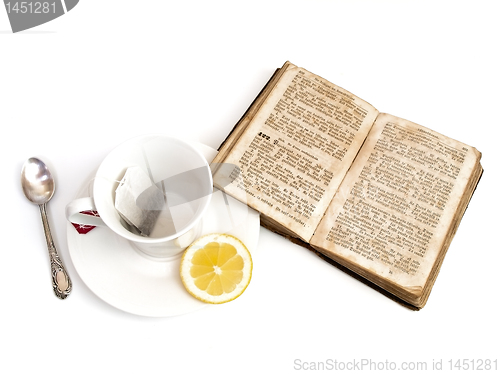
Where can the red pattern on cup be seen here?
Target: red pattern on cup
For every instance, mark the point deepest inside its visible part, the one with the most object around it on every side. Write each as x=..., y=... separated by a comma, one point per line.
x=83, y=229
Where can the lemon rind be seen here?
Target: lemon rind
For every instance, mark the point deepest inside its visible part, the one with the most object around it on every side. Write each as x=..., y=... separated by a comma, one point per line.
x=188, y=281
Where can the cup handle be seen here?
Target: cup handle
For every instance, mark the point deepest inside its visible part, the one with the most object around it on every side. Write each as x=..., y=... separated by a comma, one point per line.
x=74, y=208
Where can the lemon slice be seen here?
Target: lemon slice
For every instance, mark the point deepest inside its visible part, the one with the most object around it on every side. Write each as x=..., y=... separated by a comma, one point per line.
x=216, y=268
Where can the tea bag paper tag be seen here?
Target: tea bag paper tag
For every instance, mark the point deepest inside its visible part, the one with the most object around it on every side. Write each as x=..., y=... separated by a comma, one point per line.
x=135, y=183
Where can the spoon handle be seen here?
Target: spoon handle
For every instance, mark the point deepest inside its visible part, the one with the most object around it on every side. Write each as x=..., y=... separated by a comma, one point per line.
x=61, y=282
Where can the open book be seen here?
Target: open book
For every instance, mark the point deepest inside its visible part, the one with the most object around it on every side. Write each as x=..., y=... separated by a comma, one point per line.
x=379, y=196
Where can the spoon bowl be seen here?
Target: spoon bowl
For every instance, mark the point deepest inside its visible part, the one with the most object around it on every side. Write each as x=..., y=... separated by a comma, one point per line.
x=38, y=186
x=37, y=181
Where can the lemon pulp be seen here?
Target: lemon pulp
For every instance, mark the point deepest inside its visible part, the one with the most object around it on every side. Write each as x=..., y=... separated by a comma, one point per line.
x=216, y=268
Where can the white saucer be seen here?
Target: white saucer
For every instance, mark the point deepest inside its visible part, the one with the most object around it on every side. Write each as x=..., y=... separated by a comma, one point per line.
x=125, y=278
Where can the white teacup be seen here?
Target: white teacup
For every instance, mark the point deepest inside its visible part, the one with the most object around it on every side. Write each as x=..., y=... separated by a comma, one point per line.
x=164, y=159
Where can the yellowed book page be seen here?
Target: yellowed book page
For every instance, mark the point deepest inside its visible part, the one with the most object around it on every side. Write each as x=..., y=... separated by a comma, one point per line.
x=297, y=149
x=393, y=211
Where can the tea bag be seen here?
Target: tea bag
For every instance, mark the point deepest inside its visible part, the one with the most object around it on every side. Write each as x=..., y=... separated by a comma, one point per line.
x=142, y=217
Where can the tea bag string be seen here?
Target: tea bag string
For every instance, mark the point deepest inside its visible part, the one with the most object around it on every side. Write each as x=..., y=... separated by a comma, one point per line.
x=90, y=187
x=227, y=173
x=90, y=184
x=150, y=174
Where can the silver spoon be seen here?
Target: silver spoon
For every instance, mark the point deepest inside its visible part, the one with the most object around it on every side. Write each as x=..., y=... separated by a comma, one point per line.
x=39, y=187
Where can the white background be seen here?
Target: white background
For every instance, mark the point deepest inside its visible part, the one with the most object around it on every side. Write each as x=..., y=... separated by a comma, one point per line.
x=74, y=88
